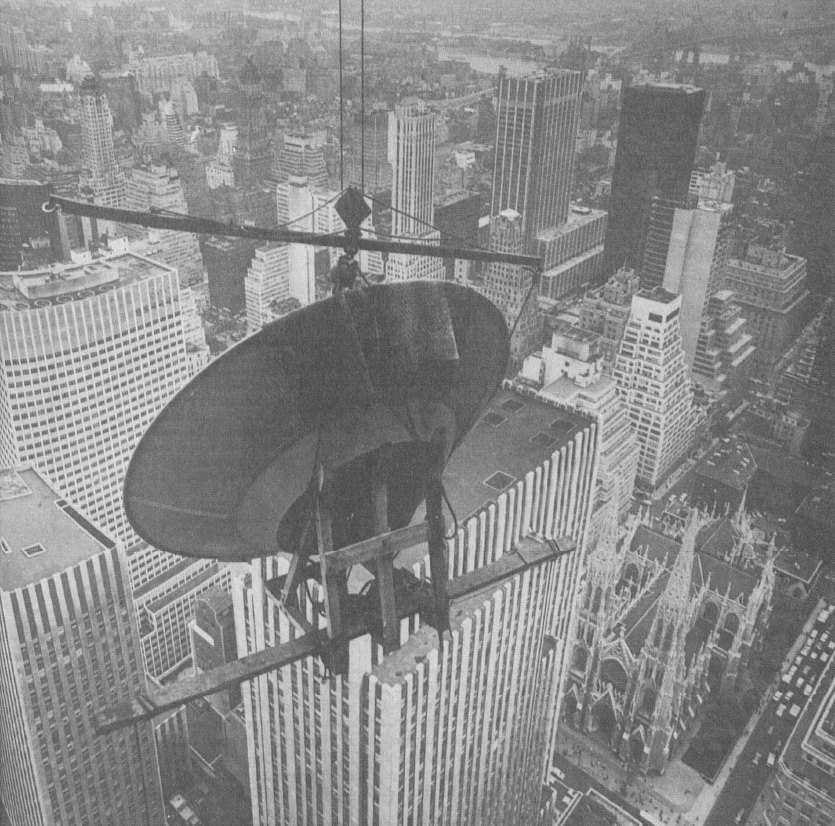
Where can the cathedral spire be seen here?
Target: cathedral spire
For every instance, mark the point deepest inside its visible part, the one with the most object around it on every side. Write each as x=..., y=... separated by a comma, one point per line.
x=677, y=593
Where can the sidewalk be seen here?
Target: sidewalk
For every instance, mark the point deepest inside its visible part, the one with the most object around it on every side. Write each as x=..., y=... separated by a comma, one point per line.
x=710, y=792
x=601, y=764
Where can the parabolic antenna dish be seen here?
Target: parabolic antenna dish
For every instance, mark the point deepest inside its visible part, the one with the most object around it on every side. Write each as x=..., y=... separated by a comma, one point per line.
x=355, y=385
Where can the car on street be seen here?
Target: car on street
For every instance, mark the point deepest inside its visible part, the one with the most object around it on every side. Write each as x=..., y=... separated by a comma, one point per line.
x=739, y=814
x=781, y=709
x=771, y=759
x=756, y=760
x=794, y=710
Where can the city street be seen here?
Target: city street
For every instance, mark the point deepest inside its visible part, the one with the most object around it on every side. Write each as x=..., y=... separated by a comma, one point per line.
x=755, y=764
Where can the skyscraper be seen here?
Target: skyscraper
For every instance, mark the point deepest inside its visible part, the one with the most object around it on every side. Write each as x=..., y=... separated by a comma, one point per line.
x=569, y=373
x=253, y=157
x=717, y=346
x=457, y=733
x=157, y=187
x=508, y=286
x=376, y=172
x=301, y=155
x=411, y=152
x=91, y=354
x=657, y=138
x=267, y=285
x=100, y=173
x=68, y=646
x=227, y=261
x=652, y=382
x=536, y=133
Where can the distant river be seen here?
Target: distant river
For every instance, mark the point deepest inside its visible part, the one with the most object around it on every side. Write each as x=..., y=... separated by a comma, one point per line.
x=489, y=64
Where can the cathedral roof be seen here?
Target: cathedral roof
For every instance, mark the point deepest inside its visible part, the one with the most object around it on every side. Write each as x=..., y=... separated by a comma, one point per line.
x=724, y=577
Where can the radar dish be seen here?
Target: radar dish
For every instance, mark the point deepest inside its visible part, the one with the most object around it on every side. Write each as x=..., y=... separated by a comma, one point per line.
x=355, y=385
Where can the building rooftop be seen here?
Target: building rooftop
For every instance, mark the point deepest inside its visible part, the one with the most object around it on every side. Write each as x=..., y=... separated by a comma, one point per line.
x=41, y=534
x=819, y=503
x=730, y=463
x=571, y=223
x=62, y=283
x=658, y=294
x=565, y=391
x=797, y=565
x=516, y=433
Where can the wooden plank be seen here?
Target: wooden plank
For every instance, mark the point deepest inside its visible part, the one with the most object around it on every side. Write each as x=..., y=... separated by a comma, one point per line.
x=388, y=605
x=391, y=543
x=312, y=643
x=139, y=708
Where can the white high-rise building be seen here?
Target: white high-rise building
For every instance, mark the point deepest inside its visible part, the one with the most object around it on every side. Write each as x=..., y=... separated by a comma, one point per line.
x=652, y=381
x=157, y=187
x=267, y=285
x=68, y=647
x=570, y=374
x=460, y=733
x=411, y=153
x=308, y=209
x=101, y=175
x=718, y=349
x=91, y=353
x=412, y=157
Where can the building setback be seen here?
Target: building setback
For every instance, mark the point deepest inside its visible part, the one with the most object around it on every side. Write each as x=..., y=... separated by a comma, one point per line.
x=657, y=137
x=460, y=734
x=770, y=287
x=536, y=131
x=101, y=175
x=652, y=381
x=68, y=647
x=157, y=187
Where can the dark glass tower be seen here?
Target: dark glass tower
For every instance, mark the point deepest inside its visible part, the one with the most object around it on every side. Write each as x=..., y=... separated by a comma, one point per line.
x=657, y=139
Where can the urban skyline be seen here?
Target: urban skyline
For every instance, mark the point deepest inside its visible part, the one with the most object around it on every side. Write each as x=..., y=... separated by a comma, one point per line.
x=656, y=462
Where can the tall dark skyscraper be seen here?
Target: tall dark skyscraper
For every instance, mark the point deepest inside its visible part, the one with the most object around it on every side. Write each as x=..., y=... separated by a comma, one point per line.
x=536, y=133
x=253, y=158
x=659, y=129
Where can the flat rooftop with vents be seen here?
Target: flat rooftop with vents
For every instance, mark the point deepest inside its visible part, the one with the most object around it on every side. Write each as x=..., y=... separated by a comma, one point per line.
x=515, y=434
x=41, y=534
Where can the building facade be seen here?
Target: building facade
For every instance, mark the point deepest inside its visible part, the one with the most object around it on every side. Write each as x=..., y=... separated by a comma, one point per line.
x=227, y=261
x=253, y=158
x=770, y=288
x=537, y=120
x=68, y=647
x=411, y=153
x=569, y=374
x=653, y=383
x=267, y=285
x=101, y=175
x=157, y=187
x=605, y=311
x=458, y=734
x=657, y=137
x=718, y=349
x=510, y=287
x=91, y=353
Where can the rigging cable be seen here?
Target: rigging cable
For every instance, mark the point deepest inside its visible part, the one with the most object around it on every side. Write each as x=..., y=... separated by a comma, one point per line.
x=341, y=108
x=362, y=95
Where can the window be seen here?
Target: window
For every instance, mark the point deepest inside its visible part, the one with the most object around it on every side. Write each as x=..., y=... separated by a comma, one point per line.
x=33, y=550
